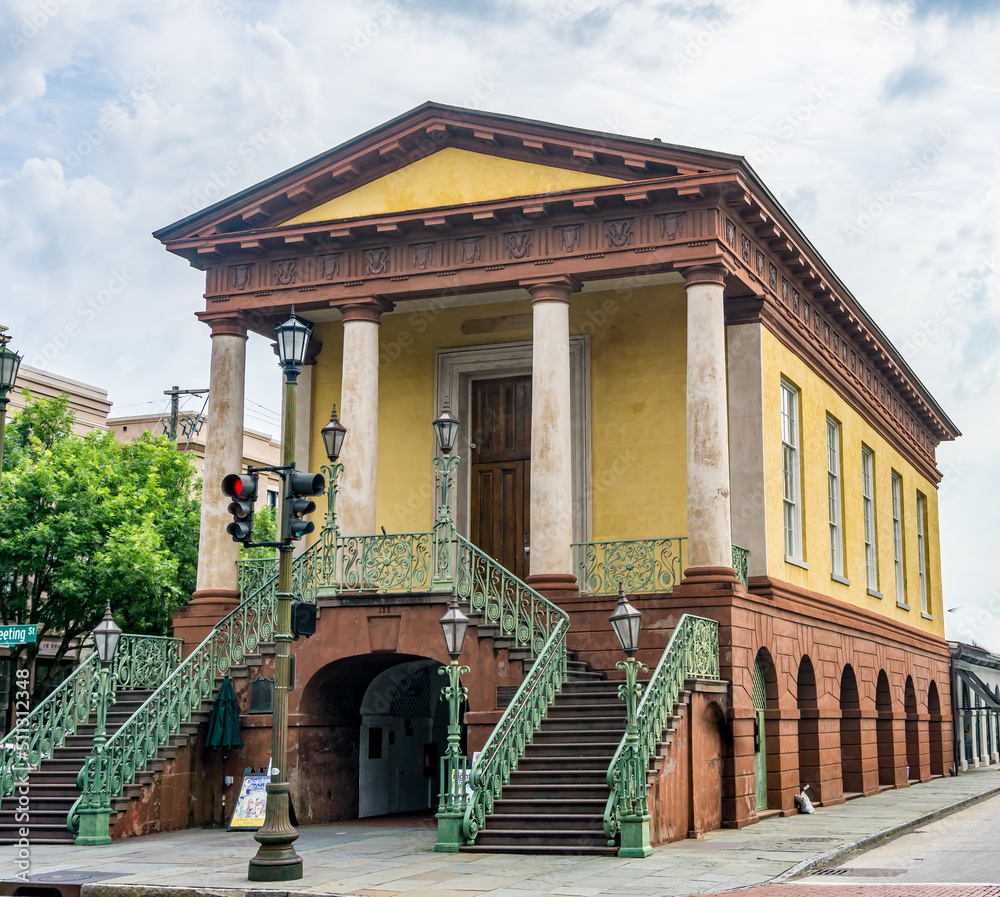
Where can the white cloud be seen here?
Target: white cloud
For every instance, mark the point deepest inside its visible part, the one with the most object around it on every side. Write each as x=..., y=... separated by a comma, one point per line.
x=113, y=116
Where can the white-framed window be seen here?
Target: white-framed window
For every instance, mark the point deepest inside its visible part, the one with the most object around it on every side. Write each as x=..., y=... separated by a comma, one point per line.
x=925, y=605
x=868, y=501
x=897, y=539
x=272, y=498
x=791, y=471
x=834, y=490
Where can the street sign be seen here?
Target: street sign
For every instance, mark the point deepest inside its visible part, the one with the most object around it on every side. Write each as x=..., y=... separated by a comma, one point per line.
x=17, y=635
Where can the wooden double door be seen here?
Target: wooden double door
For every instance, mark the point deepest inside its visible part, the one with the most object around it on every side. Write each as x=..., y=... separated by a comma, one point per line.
x=501, y=470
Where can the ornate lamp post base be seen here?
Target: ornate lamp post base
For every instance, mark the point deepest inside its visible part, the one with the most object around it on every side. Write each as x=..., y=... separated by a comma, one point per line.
x=276, y=859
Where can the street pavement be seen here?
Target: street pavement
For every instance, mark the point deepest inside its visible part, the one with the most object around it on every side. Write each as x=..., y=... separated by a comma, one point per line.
x=386, y=858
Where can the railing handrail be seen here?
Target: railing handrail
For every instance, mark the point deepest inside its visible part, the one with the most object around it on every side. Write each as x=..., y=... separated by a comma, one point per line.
x=43, y=739
x=644, y=566
x=650, y=716
x=533, y=697
x=201, y=667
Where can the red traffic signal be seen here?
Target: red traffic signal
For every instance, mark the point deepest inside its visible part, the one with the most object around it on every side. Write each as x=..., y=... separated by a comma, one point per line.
x=242, y=489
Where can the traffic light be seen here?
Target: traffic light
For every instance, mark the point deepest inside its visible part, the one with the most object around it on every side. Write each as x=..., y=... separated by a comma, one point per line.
x=299, y=486
x=242, y=489
x=303, y=618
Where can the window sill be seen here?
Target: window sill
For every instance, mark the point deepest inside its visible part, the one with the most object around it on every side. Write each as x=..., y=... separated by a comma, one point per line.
x=903, y=606
x=875, y=593
x=843, y=580
x=926, y=615
x=795, y=562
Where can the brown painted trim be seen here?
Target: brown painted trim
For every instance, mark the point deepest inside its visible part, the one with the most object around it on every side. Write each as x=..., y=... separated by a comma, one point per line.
x=230, y=325
x=715, y=274
x=781, y=595
x=372, y=310
x=552, y=290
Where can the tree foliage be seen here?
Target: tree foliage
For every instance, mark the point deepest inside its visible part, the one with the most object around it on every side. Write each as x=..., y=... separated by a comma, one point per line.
x=87, y=520
x=264, y=527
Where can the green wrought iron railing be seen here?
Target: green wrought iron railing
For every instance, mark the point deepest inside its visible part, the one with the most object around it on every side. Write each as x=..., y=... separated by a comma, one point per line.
x=255, y=572
x=642, y=566
x=106, y=773
x=740, y=561
x=693, y=650
x=397, y=562
x=141, y=661
x=532, y=622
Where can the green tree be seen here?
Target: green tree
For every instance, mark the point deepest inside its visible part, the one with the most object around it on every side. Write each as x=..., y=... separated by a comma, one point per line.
x=265, y=522
x=87, y=520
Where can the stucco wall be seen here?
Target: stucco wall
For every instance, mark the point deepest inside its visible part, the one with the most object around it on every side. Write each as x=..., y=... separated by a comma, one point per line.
x=817, y=400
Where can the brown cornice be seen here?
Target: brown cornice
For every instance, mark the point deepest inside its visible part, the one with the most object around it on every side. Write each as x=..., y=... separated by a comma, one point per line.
x=770, y=230
x=206, y=251
x=786, y=597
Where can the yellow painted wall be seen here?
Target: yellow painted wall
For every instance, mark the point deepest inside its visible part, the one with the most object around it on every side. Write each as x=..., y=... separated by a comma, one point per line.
x=450, y=177
x=638, y=368
x=817, y=400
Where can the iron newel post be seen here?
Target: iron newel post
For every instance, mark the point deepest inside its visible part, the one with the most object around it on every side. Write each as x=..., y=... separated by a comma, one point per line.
x=454, y=765
x=276, y=859
x=626, y=621
x=446, y=427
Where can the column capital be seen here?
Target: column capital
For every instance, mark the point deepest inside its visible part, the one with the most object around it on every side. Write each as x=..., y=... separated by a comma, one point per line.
x=704, y=274
x=370, y=309
x=551, y=289
x=228, y=324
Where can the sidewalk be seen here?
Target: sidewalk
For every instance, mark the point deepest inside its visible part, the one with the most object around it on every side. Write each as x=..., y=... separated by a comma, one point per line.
x=383, y=858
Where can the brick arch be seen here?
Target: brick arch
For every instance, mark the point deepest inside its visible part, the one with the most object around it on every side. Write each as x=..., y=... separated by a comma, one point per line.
x=937, y=757
x=851, y=749
x=883, y=731
x=912, y=729
x=809, y=752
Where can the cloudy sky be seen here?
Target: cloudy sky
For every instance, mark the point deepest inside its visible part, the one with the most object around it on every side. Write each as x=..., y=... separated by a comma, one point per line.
x=875, y=122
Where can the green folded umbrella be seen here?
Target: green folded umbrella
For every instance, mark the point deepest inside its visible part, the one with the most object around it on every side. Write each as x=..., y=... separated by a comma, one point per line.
x=224, y=730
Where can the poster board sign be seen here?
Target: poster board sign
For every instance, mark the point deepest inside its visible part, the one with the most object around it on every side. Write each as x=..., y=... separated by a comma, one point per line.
x=248, y=813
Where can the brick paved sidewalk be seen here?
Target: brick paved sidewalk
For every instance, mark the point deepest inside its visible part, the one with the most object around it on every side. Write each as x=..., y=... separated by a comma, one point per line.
x=374, y=859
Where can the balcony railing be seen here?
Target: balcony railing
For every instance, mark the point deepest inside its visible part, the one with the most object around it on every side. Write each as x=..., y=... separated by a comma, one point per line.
x=642, y=566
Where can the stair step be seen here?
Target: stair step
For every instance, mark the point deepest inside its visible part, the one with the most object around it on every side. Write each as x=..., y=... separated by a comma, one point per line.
x=554, y=849
x=603, y=749
x=587, y=808
x=592, y=777
x=565, y=838
x=543, y=823
x=578, y=763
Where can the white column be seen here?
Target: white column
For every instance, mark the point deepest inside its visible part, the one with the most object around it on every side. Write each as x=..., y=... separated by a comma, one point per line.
x=984, y=744
x=551, y=504
x=709, y=521
x=218, y=575
x=359, y=413
x=995, y=757
x=974, y=728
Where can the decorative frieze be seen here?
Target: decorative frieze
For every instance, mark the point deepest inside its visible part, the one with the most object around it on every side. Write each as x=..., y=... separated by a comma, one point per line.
x=671, y=225
x=469, y=250
x=285, y=272
x=517, y=245
x=331, y=265
x=570, y=237
x=619, y=233
x=423, y=255
x=375, y=262
x=241, y=276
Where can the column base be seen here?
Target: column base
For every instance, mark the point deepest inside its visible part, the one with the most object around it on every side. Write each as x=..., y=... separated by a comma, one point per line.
x=708, y=582
x=554, y=586
x=198, y=618
x=93, y=828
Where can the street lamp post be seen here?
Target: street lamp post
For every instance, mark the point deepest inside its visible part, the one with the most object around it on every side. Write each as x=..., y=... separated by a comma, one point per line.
x=454, y=765
x=333, y=441
x=276, y=859
x=445, y=463
x=10, y=361
x=94, y=819
x=626, y=622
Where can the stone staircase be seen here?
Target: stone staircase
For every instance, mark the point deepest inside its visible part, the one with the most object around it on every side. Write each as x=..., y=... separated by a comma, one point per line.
x=52, y=787
x=556, y=797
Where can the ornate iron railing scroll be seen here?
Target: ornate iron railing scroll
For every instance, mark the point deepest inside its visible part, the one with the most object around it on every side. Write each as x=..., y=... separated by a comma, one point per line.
x=741, y=558
x=693, y=650
x=642, y=566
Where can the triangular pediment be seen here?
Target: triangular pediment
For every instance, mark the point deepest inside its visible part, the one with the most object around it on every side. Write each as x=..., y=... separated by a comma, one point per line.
x=450, y=177
x=441, y=156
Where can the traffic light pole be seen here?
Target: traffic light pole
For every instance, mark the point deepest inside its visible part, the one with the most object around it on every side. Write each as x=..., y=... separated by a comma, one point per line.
x=276, y=859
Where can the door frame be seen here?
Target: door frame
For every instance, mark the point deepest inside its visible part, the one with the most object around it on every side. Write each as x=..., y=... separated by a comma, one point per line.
x=454, y=371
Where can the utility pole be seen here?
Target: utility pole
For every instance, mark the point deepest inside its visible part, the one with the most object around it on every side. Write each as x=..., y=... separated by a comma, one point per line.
x=175, y=394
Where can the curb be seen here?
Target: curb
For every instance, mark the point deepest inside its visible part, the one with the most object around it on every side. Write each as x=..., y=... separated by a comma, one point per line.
x=885, y=835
